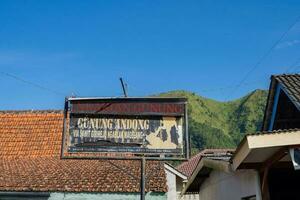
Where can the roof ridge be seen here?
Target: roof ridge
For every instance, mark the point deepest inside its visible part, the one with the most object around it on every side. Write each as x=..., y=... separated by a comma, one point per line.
x=30, y=111
x=189, y=166
x=208, y=150
x=286, y=74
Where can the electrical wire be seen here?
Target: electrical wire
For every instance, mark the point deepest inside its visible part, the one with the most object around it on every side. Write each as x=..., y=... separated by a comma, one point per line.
x=211, y=90
x=295, y=70
x=32, y=83
x=264, y=56
x=294, y=66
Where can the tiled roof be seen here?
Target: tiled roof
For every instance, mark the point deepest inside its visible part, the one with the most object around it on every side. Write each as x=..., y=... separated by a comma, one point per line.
x=30, y=148
x=53, y=174
x=189, y=166
x=291, y=85
x=30, y=134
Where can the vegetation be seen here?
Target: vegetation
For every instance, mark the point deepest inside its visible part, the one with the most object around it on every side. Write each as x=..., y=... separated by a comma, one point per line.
x=214, y=124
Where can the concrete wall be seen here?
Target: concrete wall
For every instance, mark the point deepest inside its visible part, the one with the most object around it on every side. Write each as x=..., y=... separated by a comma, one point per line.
x=175, y=186
x=106, y=196
x=230, y=186
x=171, y=182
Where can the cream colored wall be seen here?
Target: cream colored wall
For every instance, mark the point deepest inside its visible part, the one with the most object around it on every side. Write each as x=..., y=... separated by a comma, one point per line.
x=171, y=182
x=175, y=186
x=230, y=186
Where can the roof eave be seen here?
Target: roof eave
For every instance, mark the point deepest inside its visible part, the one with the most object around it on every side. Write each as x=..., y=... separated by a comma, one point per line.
x=175, y=171
x=208, y=163
x=269, y=105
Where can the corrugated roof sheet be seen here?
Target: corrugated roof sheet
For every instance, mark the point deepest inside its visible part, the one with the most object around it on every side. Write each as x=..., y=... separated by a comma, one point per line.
x=30, y=148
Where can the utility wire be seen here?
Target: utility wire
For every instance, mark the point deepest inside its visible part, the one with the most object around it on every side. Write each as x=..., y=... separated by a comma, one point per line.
x=216, y=89
x=294, y=66
x=232, y=86
x=32, y=83
x=264, y=56
x=295, y=70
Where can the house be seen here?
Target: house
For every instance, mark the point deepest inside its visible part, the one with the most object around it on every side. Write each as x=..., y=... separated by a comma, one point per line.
x=208, y=157
x=176, y=180
x=31, y=166
x=283, y=104
x=261, y=167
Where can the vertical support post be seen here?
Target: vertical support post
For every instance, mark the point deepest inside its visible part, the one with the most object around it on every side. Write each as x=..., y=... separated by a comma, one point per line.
x=187, y=142
x=258, y=186
x=142, y=185
x=265, y=185
x=66, y=110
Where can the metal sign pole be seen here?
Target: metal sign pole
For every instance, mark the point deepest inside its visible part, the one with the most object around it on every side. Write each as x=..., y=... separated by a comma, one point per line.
x=123, y=87
x=143, y=169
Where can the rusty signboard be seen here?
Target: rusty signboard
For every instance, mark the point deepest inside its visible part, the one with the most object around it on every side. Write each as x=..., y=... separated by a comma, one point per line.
x=154, y=127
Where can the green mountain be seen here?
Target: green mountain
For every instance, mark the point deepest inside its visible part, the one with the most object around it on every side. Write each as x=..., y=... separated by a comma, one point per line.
x=215, y=124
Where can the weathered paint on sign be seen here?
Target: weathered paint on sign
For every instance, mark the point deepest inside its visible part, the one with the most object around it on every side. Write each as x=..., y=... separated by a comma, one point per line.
x=114, y=134
x=139, y=126
x=128, y=108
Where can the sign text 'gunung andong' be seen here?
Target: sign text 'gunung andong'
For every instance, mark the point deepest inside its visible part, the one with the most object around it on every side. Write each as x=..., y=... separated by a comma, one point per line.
x=150, y=126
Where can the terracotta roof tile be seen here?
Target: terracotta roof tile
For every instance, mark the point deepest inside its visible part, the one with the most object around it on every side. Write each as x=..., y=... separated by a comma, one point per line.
x=30, y=147
x=54, y=174
x=189, y=166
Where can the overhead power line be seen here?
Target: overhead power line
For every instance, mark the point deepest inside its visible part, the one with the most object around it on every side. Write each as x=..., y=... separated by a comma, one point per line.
x=245, y=84
x=215, y=89
x=296, y=69
x=293, y=67
x=32, y=83
x=265, y=55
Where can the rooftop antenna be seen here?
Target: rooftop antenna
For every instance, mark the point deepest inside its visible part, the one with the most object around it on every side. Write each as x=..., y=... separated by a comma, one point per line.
x=124, y=87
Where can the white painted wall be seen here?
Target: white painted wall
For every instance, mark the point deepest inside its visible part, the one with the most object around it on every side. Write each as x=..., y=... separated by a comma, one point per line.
x=171, y=182
x=175, y=186
x=230, y=186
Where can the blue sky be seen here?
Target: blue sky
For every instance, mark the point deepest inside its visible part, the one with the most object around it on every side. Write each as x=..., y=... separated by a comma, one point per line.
x=83, y=47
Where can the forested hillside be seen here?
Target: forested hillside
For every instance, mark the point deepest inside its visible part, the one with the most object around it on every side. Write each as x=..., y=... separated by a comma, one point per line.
x=214, y=124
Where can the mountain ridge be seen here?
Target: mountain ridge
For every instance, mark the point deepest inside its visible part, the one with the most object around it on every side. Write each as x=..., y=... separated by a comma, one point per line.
x=217, y=124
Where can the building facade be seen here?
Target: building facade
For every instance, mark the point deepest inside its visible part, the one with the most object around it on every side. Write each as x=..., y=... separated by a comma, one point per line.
x=263, y=166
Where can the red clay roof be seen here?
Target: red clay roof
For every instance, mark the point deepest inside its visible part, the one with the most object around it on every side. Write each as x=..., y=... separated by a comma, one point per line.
x=189, y=166
x=30, y=148
x=30, y=134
